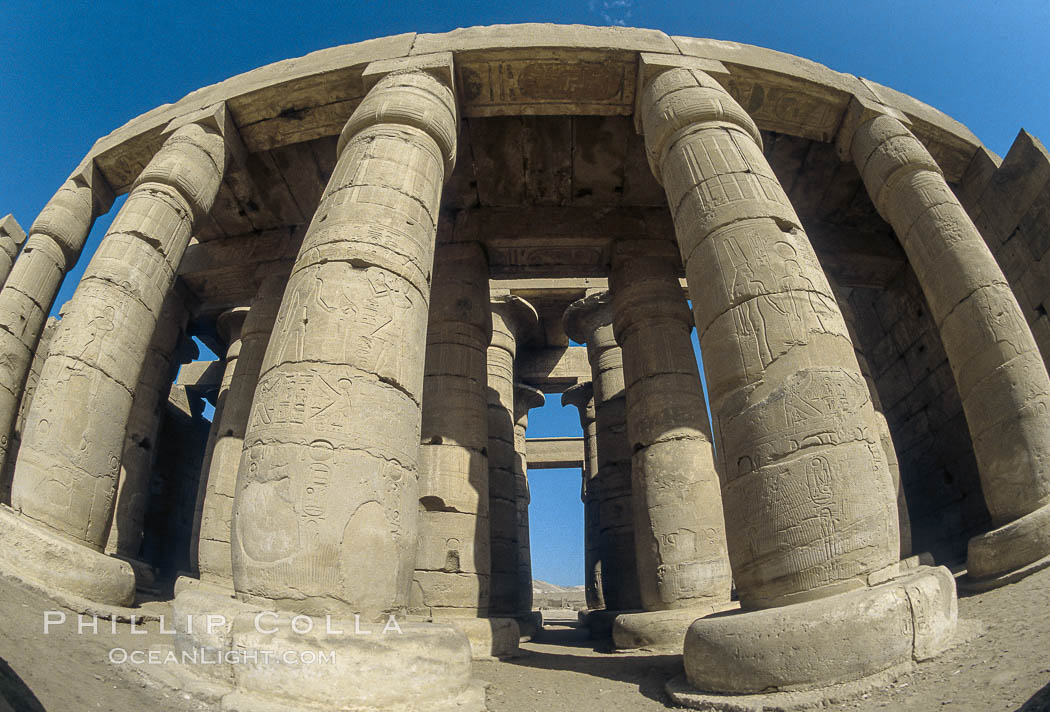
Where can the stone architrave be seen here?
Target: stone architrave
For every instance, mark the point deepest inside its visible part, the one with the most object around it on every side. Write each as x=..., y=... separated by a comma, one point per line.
x=52, y=248
x=809, y=502
x=514, y=322
x=67, y=471
x=325, y=510
x=140, y=442
x=581, y=396
x=11, y=238
x=525, y=399
x=214, y=560
x=1000, y=374
x=589, y=321
x=679, y=529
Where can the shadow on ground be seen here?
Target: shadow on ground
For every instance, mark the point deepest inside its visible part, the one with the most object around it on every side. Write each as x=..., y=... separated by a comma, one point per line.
x=15, y=695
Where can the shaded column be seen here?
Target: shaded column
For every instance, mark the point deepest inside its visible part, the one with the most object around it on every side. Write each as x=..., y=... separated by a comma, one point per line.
x=582, y=397
x=325, y=511
x=514, y=321
x=11, y=238
x=589, y=321
x=52, y=249
x=809, y=504
x=679, y=528
x=140, y=441
x=453, y=564
x=525, y=399
x=214, y=559
x=66, y=475
x=998, y=369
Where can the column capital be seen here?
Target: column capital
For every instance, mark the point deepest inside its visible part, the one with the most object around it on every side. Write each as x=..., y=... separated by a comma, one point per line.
x=651, y=64
x=417, y=92
x=526, y=398
x=230, y=323
x=10, y=229
x=586, y=317
x=516, y=315
x=645, y=286
x=580, y=396
x=860, y=111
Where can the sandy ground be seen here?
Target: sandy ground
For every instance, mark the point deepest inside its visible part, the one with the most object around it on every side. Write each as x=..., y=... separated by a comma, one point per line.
x=1005, y=666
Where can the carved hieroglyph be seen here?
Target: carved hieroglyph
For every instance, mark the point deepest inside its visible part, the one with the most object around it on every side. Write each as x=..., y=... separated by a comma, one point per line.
x=679, y=528
x=67, y=469
x=808, y=499
x=589, y=320
x=513, y=322
x=52, y=248
x=453, y=564
x=214, y=560
x=1000, y=374
x=581, y=396
x=525, y=399
x=327, y=480
x=140, y=441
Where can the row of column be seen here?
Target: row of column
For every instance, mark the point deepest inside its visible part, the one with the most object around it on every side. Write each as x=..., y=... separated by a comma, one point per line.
x=331, y=475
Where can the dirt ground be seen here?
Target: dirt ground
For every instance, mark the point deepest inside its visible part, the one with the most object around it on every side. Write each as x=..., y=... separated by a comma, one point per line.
x=1005, y=666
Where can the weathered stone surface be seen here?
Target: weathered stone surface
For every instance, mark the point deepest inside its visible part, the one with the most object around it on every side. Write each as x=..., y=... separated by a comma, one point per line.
x=582, y=398
x=590, y=321
x=454, y=467
x=525, y=399
x=514, y=322
x=349, y=331
x=11, y=238
x=998, y=369
x=662, y=630
x=803, y=477
x=66, y=476
x=678, y=523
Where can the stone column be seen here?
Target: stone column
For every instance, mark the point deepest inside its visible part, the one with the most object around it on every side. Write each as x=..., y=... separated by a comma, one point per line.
x=582, y=397
x=214, y=559
x=589, y=321
x=66, y=475
x=809, y=504
x=52, y=249
x=679, y=528
x=32, y=378
x=228, y=326
x=140, y=441
x=324, y=517
x=514, y=322
x=1000, y=374
x=453, y=564
x=525, y=399
x=11, y=238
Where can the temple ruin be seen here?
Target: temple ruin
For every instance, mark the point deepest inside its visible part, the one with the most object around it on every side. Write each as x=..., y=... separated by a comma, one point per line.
x=399, y=247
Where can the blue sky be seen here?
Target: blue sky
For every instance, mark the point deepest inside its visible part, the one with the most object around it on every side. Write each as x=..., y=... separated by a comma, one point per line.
x=73, y=71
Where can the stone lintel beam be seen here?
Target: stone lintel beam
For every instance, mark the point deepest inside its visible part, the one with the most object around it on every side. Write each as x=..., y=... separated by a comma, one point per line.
x=554, y=453
x=552, y=370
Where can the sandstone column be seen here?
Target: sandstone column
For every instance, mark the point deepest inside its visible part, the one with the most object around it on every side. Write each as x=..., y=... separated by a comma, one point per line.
x=589, y=321
x=582, y=397
x=679, y=528
x=1000, y=374
x=809, y=503
x=66, y=475
x=52, y=248
x=11, y=238
x=453, y=564
x=324, y=516
x=514, y=322
x=220, y=479
x=140, y=441
x=525, y=399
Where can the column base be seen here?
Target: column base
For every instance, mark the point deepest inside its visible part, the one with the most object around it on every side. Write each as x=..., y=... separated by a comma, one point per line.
x=62, y=568
x=1009, y=553
x=600, y=623
x=490, y=638
x=259, y=660
x=661, y=631
x=825, y=646
x=529, y=625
